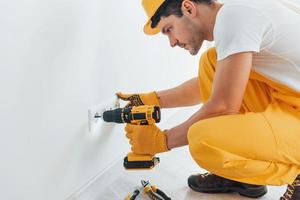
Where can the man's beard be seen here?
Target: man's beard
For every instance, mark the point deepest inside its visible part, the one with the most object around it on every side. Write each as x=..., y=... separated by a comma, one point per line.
x=195, y=49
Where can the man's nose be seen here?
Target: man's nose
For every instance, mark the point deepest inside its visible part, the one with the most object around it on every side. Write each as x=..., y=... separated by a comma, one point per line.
x=173, y=41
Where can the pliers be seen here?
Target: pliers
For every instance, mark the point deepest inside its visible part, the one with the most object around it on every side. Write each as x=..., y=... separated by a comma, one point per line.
x=133, y=195
x=152, y=191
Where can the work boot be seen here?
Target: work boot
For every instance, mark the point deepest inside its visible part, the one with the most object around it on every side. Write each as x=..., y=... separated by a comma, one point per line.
x=292, y=191
x=211, y=183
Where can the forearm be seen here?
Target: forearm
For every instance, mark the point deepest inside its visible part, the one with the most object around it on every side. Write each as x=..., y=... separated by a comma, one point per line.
x=186, y=94
x=177, y=136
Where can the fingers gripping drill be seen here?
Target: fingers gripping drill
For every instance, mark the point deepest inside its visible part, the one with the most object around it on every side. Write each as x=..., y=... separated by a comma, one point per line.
x=138, y=115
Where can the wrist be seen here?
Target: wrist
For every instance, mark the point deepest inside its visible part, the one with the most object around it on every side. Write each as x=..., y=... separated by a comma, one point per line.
x=150, y=98
x=167, y=133
x=163, y=142
x=177, y=136
x=156, y=98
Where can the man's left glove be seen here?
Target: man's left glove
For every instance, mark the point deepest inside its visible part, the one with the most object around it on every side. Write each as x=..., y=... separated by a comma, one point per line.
x=150, y=98
x=146, y=139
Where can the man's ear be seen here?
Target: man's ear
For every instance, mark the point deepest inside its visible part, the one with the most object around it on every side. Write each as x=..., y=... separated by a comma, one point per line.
x=189, y=8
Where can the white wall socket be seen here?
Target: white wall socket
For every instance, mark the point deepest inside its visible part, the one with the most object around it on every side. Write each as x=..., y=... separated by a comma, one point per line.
x=97, y=110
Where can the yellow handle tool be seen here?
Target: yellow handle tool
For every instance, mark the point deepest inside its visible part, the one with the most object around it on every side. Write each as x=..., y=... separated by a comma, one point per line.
x=133, y=195
x=153, y=192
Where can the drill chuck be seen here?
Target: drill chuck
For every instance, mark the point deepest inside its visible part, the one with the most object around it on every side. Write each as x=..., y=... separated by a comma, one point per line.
x=113, y=116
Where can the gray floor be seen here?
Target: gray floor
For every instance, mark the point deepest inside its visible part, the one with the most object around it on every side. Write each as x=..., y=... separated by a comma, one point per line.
x=170, y=175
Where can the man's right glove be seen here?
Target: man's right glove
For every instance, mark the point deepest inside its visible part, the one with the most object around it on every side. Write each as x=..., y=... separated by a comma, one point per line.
x=150, y=98
x=146, y=139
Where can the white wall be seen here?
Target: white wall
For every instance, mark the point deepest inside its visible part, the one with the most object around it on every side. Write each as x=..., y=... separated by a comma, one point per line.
x=58, y=58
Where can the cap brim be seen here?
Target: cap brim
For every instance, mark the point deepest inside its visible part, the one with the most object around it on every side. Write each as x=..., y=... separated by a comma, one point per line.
x=150, y=31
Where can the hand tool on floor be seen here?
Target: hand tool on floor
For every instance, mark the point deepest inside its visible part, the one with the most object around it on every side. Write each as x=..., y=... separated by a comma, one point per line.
x=132, y=196
x=138, y=115
x=153, y=192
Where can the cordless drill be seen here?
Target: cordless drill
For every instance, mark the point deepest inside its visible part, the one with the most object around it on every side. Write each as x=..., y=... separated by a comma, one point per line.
x=138, y=115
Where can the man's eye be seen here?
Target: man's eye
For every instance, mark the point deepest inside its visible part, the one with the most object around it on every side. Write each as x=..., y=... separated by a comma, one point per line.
x=168, y=30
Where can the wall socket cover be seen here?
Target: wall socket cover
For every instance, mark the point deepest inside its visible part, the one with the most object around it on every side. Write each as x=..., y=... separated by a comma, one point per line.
x=97, y=110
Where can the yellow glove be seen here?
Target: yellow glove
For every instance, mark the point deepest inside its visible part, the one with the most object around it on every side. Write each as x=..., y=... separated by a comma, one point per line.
x=150, y=99
x=146, y=139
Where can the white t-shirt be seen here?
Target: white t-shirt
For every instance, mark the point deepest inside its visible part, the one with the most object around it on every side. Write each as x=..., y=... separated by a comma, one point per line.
x=268, y=28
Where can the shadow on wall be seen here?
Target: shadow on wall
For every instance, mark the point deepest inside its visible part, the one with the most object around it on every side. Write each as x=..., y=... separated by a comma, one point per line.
x=87, y=147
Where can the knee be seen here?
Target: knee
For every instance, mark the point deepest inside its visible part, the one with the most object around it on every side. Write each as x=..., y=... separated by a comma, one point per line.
x=200, y=140
x=200, y=131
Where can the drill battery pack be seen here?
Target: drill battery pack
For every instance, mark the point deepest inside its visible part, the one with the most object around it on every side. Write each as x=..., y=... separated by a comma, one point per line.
x=134, y=161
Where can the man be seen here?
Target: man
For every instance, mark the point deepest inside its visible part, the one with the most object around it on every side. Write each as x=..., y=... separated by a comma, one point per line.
x=247, y=133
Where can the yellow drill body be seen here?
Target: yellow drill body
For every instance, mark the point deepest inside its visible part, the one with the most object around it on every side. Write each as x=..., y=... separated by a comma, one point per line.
x=138, y=115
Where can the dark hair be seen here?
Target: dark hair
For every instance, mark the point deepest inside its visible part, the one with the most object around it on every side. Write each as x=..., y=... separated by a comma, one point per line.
x=171, y=7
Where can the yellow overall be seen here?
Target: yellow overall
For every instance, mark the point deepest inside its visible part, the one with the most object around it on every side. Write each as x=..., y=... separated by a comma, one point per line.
x=261, y=145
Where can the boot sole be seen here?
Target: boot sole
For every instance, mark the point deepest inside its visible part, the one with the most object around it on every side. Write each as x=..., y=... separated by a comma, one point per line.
x=250, y=192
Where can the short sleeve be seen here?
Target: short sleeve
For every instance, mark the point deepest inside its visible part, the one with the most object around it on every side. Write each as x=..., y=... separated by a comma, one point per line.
x=239, y=28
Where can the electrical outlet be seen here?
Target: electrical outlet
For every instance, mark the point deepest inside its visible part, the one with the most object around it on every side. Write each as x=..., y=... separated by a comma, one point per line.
x=95, y=112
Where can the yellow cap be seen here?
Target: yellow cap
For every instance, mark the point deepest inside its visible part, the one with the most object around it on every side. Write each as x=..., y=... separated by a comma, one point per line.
x=151, y=7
